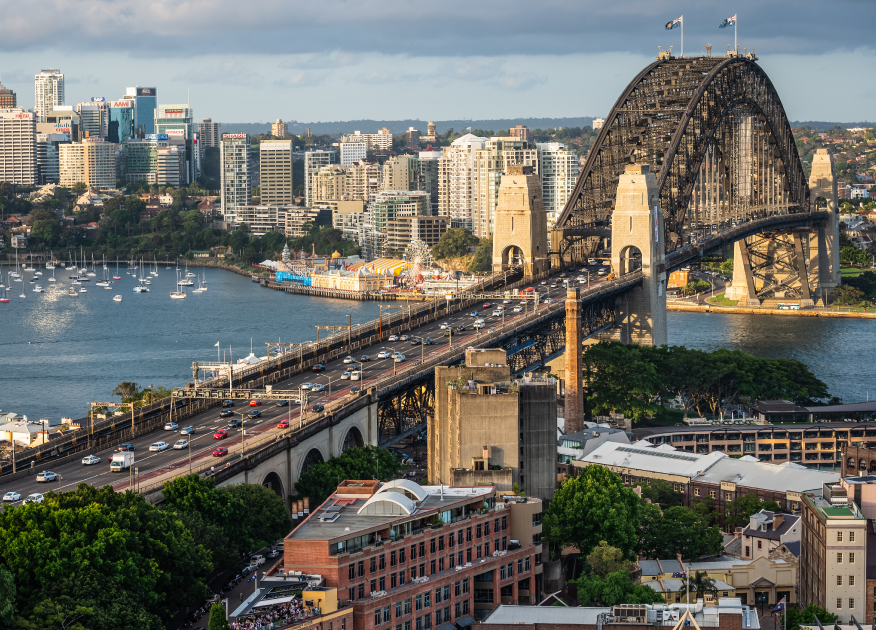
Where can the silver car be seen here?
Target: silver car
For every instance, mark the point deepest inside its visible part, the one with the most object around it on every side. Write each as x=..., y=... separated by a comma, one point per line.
x=46, y=476
x=180, y=445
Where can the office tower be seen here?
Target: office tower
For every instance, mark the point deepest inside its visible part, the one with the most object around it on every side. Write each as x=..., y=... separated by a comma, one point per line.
x=275, y=172
x=313, y=161
x=401, y=172
x=210, y=134
x=460, y=190
x=375, y=141
x=236, y=183
x=48, y=92
x=120, y=127
x=279, y=129
x=521, y=132
x=145, y=103
x=491, y=162
x=61, y=119
x=94, y=118
x=92, y=162
x=177, y=121
x=428, y=174
x=18, y=146
x=170, y=166
x=352, y=151
x=363, y=179
x=48, y=157
x=7, y=97
x=558, y=171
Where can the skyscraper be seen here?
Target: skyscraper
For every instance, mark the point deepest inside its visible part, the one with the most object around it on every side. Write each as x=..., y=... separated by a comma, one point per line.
x=275, y=172
x=210, y=133
x=279, y=129
x=145, y=104
x=461, y=189
x=48, y=92
x=121, y=121
x=491, y=162
x=7, y=97
x=352, y=152
x=48, y=156
x=94, y=118
x=236, y=182
x=92, y=162
x=401, y=172
x=429, y=182
x=17, y=146
x=558, y=171
x=313, y=161
x=177, y=121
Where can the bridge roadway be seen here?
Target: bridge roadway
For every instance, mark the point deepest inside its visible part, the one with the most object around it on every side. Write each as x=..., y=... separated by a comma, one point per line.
x=153, y=465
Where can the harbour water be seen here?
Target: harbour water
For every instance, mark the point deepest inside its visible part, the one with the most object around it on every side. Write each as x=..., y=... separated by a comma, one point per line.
x=58, y=353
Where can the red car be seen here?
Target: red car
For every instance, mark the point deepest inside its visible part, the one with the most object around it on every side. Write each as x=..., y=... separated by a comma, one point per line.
x=255, y=403
x=220, y=452
x=486, y=306
x=220, y=434
x=283, y=425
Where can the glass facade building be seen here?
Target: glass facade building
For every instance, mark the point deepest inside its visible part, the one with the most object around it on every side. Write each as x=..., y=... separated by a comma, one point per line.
x=145, y=104
x=121, y=122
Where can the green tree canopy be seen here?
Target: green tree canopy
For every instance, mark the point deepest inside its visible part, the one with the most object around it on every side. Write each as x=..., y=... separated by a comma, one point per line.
x=454, y=243
x=677, y=530
x=605, y=559
x=217, y=618
x=615, y=588
x=483, y=258
x=593, y=507
x=806, y=617
x=319, y=481
x=7, y=598
x=265, y=516
x=658, y=491
x=738, y=511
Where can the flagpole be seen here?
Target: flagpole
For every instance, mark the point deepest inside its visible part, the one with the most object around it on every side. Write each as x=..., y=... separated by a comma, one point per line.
x=682, y=35
x=735, y=23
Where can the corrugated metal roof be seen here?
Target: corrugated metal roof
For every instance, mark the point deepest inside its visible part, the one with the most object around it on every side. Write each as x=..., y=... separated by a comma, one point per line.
x=679, y=463
x=767, y=476
x=544, y=614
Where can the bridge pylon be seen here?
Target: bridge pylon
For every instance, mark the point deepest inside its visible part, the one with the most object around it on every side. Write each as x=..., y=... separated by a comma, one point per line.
x=637, y=242
x=823, y=196
x=520, y=235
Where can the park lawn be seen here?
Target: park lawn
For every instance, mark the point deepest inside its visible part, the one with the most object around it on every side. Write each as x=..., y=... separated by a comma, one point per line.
x=720, y=300
x=850, y=272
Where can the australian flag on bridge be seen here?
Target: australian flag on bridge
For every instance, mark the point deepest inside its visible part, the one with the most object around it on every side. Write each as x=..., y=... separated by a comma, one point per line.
x=727, y=22
x=673, y=24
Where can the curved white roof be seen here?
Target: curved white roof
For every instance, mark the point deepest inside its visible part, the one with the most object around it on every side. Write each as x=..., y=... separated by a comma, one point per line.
x=388, y=503
x=407, y=485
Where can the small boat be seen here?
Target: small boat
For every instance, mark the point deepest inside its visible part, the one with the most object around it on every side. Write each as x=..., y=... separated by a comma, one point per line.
x=107, y=288
x=22, y=295
x=102, y=283
x=37, y=273
x=117, y=298
x=38, y=289
x=76, y=282
x=83, y=290
x=52, y=279
x=14, y=279
x=84, y=279
x=71, y=292
x=117, y=276
x=147, y=282
x=186, y=283
x=32, y=280
x=177, y=295
x=141, y=289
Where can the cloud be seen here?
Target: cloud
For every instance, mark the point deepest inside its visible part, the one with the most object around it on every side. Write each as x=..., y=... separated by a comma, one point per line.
x=228, y=72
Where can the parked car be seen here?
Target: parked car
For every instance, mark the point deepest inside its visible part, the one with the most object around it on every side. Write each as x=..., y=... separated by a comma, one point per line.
x=284, y=424
x=349, y=360
x=318, y=407
x=158, y=447
x=171, y=426
x=254, y=414
x=46, y=476
x=226, y=414
x=235, y=422
x=255, y=403
x=220, y=452
x=319, y=367
x=227, y=403
x=12, y=496
x=187, y=431
x=36, y=497
x=180, y=445
x=221, y=434
x=91, y=459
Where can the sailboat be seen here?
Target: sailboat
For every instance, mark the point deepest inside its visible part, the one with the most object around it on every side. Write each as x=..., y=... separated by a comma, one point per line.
x=5, y=298
x=16, y=273
x=105, y=282
x=117, y=276
x=178, y=295
x=52, y=279
x=38, y=289
x=50, y=264
x=117, y=298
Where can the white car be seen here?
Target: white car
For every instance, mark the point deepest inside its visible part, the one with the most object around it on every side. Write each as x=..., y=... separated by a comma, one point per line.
x=591, y=261
x=393, y=338
x=355, y=376
x=318, y=387
x=345, y=376
x=11, y=496
x=398, y=358
x=601, y=272
x=171, y=426
x=307, y=386
x=384, y=354
x=91, y=459
x=444, y=326
x=349, y=360
x=497, y=313
x=180, y=445
x=549, y=300
x=36, y=497
x=158, y=446
x=518, y=309
x=46, y=477
x=506, y=301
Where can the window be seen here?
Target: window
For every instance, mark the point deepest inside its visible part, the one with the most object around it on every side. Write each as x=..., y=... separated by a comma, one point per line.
x=468, y=555
x=504, y=543
x=536, y=519
x=502, y=572
x=468, y=534
x=413, y=552
x=427, y=622
x=852, y=558
x=419, y=625
x=478, y=547
x=401, y=578
x=423, y=569
x=438, y=595
x=361, y=568
x=427, y=599
x=373, y=586
x=432, y=570
x=441, y=543
x=839, y=602
x=479, y=531
x=451, y=540
x=386, y=615
x=839, y=557
x=422, y=548
x=432, y=546
x=839, y=536
x=447, y=615
x=413, y=572
x=465, y=607
x=459, y=537
x=536, y=539
x=457, y=589
x=456, y=610
x=352, y=568
x=440, y=564
x=487, y=528
x=711, y=494
x=520, y=566
x=446, y=592
x=351, y=593
x=760, y=544
x=851, y=583
x=392, y=559
x=839, y=580
x=851, y=602
x=460, y=558
x=526, y=563
x=504, y=523
x=382, y=563
x=465, y=586
x=398, y=610
x=510, y=569
x=377, y=617
x=437, y=618
x=408, y=606
x=728, y=496
x=851, y=536
x=696, y=492
x=418, y=602
x=382, y=582
x=451, y=561
x=373, y=565
x=495, y=545
x=401, y=555
x=496, y=526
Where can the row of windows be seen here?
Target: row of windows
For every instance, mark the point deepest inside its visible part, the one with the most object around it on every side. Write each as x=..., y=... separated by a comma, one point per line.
x=403, y=608
x=839, y=580
x=839, y=536
x=839, y=602
x=378, y=563
x=839, y=557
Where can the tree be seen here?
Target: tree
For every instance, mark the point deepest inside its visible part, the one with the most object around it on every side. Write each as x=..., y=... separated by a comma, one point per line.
x=658, y=491
x=78, y=188
x=454, y=243
x=363, y=462
x=483, y=258
x=217, y=618
x=266, y=518
x=620, y=378
x=701, y=584
x=738, y=511
x=806, y=617
x=126, y=390
x=60, y=613
x=593, y=507
x=853, y=255
x=605, y=559
x=7, y=598
x=615, y=588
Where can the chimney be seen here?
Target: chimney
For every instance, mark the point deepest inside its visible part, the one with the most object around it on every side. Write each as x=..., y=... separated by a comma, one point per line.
x=778, y=519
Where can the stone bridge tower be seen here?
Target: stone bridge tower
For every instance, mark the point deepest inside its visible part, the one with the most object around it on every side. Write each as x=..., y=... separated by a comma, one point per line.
x=520, y=234
x=637, y=244
x=822, y=194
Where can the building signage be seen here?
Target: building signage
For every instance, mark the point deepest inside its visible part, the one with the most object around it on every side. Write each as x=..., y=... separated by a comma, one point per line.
x=98, y=99
x=234, y=135
x=25, y=115
x=175, y=132
x=165, y=112
x=793, y=496
x=62, y=130
x=122, y=104
x=728, y=485
x=156, y=136
x=145, y=91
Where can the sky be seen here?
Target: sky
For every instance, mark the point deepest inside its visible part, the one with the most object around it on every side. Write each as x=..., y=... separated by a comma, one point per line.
x=333, y=60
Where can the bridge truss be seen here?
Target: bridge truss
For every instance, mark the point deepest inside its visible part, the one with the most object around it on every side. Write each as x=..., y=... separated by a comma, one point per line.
x=714, y=132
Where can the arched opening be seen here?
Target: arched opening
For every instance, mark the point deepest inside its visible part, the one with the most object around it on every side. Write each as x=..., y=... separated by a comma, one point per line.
x=630, y=260
x=872, y=466
x=273, y=482
x=851, y=463
x=352, y=439
x=512, y=256
x=862, y=465
x=820, y=203
x=313, y=458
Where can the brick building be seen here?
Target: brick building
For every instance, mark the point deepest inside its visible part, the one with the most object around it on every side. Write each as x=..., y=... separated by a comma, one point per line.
x=417, y=557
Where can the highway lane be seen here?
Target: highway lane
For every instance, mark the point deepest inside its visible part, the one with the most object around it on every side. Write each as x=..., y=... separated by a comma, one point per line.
x=205, y=423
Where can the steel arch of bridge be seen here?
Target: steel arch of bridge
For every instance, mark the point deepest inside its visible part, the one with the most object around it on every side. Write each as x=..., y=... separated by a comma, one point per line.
x=681, y=116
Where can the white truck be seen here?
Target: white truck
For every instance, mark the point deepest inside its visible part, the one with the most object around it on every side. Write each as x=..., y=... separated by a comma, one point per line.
x=122, y=461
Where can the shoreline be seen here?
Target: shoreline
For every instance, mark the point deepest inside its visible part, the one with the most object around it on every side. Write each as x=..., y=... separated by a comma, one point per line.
x=742, y=310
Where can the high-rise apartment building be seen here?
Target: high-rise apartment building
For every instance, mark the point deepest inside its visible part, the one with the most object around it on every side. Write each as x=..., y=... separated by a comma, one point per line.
x=330, y=184
x=389, y=205
x=48, y=92
x=139, y=159
x=93, y=118
x=363, y=179
x=598, y=123
x=413, y=138
x=279, y=129
x=459, y=168
x=376, y=141
x=236, y=182
x=7, y=98
x=177, y=121
x=275, y=172
x=521, y=132
x=401, y=172
x=558, y=172
x=313, y=161
x=18, y=164
x=429, y=180
x=431, y=133
x=145, y=103
x=353, y=151
x=209, y=134
x=491, y=162
x=91, y=162
x=48, y=157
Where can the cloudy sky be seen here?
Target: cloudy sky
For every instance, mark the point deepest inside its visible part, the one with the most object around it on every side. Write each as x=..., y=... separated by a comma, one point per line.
x=256, y=60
